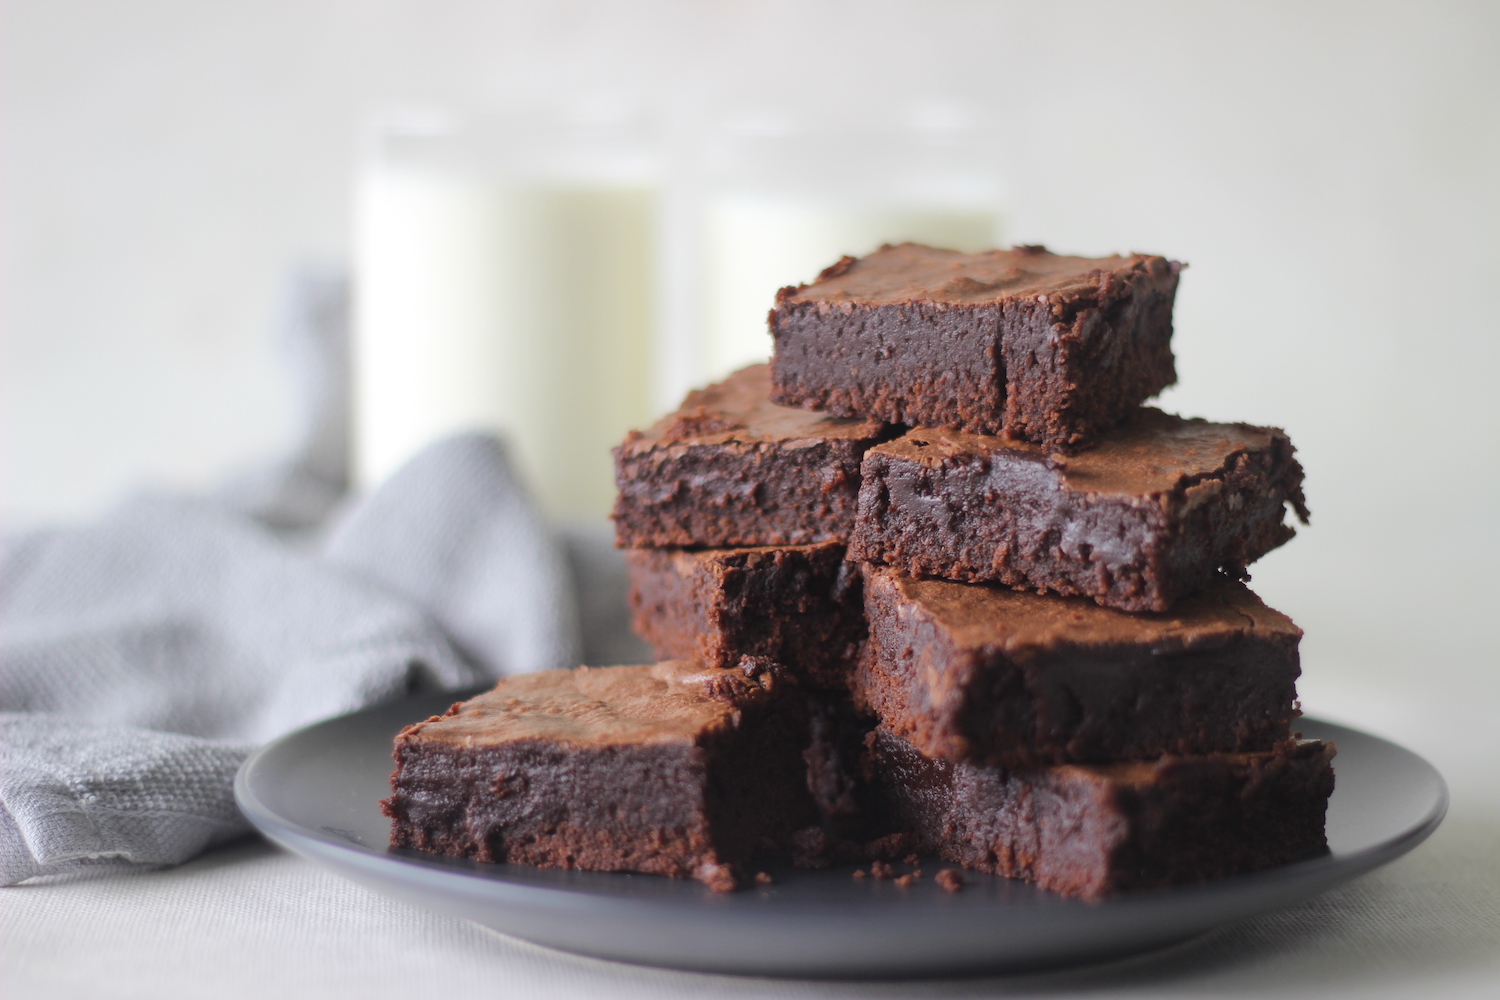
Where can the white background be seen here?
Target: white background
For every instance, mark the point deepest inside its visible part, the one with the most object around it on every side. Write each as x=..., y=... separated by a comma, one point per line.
x=1331, y=172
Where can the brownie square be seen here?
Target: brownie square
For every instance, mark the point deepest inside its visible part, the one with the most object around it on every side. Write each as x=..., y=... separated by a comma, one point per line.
x=799, y=605
x=1154, y=512
x=1022, y=342
x=674, y=769
x=1089, y=830
x=730, y=468
x=974, y=672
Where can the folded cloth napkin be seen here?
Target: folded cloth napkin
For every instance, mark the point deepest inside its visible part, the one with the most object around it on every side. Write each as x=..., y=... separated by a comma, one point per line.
x=144, y=656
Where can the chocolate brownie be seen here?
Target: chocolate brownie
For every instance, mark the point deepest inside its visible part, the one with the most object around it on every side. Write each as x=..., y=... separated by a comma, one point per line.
x=673, y=769
x=1088, y=830
x=730, y=468
x=968, y=671
x=1019, y=342
x=800, y=605
x=1152, y=513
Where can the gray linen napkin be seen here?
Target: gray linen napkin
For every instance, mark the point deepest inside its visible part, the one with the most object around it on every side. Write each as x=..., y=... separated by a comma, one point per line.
x=142, y=657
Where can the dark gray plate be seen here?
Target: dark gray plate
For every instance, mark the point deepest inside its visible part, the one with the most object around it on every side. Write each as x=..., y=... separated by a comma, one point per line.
x=316, y=792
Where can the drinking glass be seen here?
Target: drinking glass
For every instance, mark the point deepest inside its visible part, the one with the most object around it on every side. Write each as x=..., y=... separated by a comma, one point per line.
x=504, y=277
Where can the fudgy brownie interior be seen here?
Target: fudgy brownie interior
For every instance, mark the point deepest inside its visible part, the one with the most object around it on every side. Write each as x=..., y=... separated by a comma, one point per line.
x=969, y=671
x=673, y=769
x=1025, y=343
x=730, y=468
x=1088, y=830
x=800, y=605
x=1157, y=509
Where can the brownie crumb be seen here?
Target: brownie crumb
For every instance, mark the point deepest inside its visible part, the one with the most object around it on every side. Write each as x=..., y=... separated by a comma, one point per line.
x=717, y=877
x=762, y=878
x=950, y=879
x=861, y=873
x=881, y=870
x=909, y=878
x=911, y=859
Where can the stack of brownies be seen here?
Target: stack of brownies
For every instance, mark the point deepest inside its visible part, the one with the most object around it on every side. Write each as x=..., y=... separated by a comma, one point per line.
x=932, y=583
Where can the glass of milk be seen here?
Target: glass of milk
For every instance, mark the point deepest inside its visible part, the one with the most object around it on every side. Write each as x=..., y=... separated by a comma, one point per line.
x=504, y=279
x=781, y=201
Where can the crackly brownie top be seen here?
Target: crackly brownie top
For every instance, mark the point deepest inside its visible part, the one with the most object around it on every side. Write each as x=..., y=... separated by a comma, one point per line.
x=670, y=702
x=979, y=615
x=740, y=409
x=1153, y=453
x=911, y=272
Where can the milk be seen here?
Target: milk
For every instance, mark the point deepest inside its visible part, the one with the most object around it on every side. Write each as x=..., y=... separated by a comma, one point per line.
x=755, y=244
x=513, y=304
